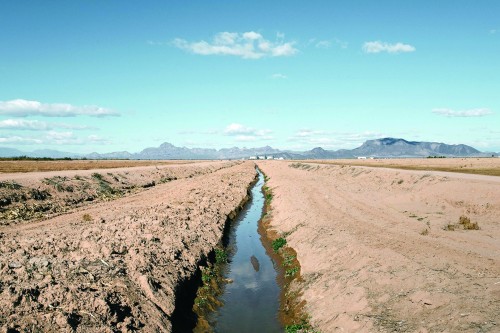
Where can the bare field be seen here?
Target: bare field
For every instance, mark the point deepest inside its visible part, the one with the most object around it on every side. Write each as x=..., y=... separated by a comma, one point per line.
x=482, y=166
x=115, y=264
x=388, y=250
x=61, y=165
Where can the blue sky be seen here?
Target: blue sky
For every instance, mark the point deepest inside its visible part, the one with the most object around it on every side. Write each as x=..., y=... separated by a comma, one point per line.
x=103, y=76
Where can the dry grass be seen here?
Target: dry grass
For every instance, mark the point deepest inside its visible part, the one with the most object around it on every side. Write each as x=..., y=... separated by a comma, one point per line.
x=34, y=166
x=481, y=166
x=463, y=222
x=467, y=224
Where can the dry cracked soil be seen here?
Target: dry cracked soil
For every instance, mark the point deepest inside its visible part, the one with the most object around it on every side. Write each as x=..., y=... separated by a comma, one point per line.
x=110, y=250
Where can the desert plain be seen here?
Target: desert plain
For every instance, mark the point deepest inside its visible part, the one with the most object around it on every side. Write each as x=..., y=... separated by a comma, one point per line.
x=382, y=248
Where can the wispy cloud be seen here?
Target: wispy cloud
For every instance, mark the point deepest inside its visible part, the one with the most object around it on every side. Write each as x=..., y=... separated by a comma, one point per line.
x=378, y=47
x=25, y=108
x=19, y=140
x=328, y=43
x=493, y=31
x=244, y=134
x=308, y=138
x=36, y=125
x=54, y=138
x=463, y=113
x=323, y=44
x=247, y=45
x=279, y=76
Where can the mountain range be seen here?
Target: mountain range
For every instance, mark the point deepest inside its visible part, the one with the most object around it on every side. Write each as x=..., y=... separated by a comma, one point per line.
x=379, y=148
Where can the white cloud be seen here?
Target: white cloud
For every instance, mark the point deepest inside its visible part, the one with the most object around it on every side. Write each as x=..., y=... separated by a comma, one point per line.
x=247, y=45
x=279, y=76
x=244, y=134
x=19, y=140
x=307, y=133
x=238, y=129
x=378, y=46
x=25, y=108
x=68, y=138
x=36, y=125
x=54, y=138
x=463, y=113
x=493, y=31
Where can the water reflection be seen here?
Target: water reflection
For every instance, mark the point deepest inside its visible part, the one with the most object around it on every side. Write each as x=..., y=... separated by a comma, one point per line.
x=251, y=302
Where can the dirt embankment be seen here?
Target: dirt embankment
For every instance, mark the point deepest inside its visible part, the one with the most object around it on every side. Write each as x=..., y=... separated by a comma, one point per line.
x=116, y=266
x=28, y=196
x=377, y=252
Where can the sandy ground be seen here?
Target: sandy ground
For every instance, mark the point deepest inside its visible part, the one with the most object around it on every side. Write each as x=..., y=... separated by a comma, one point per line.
x=373, y=251
x=112, y=264
x=485, y=166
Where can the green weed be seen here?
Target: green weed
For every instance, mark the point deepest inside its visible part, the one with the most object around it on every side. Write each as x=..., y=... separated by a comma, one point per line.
x=220, y=256
x=278, y=244
x=291, y=271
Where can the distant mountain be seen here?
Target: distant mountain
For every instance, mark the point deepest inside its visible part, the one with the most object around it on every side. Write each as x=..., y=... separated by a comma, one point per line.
x=390, y=147
x=10, y=152
x=384, y=148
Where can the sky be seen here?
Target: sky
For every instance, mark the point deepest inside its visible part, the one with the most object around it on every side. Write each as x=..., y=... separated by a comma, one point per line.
x=93, y=75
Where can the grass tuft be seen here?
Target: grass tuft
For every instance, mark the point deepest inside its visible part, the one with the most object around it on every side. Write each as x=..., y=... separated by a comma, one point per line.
x=278, y=244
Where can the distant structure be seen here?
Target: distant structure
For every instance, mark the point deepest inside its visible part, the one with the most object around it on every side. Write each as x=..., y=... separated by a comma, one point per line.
x=361, y=157
x=270, y=157
x=252, y=158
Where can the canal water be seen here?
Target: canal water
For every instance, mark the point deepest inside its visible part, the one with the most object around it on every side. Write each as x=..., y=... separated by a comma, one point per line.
x=251, y=301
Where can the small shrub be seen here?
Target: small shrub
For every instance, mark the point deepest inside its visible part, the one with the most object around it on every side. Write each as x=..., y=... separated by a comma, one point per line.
x=278, y=244
x=10, y=185
x=424, y=232
x=97, y=176
x=87, y=217
x=206, y=277
x=449, y=227
x=303, y=327
x=220, y=256
x=400, y=181
x=467, y=224
x=291, y=271
x=288, y=260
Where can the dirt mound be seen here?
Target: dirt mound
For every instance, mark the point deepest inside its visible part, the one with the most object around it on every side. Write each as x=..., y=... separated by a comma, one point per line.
x=24, y=197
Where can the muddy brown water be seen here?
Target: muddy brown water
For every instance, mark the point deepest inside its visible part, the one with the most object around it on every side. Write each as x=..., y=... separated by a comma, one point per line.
x=251, y=301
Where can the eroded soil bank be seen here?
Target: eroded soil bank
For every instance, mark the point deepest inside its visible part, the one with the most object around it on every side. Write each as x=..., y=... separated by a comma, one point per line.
x=374, y=252
x=115, y=266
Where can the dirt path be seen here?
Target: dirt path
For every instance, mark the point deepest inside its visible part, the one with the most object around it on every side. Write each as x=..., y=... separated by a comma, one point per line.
x=373, y=251
x=116, y=266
